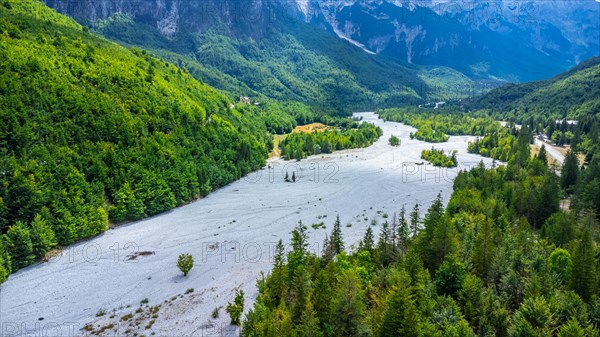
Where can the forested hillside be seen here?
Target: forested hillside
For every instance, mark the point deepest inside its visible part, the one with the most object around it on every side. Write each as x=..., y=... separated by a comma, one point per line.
x=501, y=259
x=91, y=131
x=573, y=95
x=288, y=60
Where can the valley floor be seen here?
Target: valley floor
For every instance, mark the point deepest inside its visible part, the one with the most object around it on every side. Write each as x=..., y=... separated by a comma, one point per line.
x=231, y=234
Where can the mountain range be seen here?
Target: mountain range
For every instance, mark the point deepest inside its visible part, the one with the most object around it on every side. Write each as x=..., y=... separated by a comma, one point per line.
x=508, y=40
x=499, y=40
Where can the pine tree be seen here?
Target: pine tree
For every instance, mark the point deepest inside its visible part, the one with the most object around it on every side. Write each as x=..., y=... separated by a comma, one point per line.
x=548, y=200
x=299, y=293
x=42, y=237
x=349, y=307
x=322, y=294
x=336, y=236
x=368, y=241
x=584, y=267
x=542, y=156
x=403, y=235
x=444, y=242
x=400, y=317
x=415, y=221
x=309, y=325
x=297, y=256
x=433, y=219
x=570, y=171
x=277, y=281
x=449, y=277
x=19, y=246
x=384, y=245
x=484, y=253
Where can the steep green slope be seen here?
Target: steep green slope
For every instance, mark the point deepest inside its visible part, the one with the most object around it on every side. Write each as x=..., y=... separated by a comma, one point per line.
x=573, y=94
x=290, y=61
x=90, y=130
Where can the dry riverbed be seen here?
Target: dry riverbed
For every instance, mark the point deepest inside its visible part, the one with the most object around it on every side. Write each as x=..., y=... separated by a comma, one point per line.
x=126, y=282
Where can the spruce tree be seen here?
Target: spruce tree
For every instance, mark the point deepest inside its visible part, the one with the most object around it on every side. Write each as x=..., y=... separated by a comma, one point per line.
x=42, y=237
x=584, y=267
x=19, y=246
x=542, y=156
x=570, y=171
x=277, y=281
x=322, y=294
x=400, y=317
x=297, y=256
x=336, y=236
x=309, y=325
x=415, y=221
x=484, y=253
x=299, y=293
x=384, y=245
x=349, y=308
x=368, y=241
x=403, y=235
x=433, y=219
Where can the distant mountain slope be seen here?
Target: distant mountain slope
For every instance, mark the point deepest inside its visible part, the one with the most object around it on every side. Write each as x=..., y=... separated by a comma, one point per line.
x=90, y=130
x=264, y=49
x=515, y=41
x=571, y=94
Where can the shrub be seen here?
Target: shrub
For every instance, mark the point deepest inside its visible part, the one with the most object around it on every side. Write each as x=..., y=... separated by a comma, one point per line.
x=236, y=308
x=185, y=263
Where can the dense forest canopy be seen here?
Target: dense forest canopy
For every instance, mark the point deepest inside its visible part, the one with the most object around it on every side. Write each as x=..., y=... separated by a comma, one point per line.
x=501, y=259
x=91, y=131
x=290, y=60
x=574, y=94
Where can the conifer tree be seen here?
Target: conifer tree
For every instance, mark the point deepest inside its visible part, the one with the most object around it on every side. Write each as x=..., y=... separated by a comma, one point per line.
x=400, y=317
x=337, y=240
x=433, y=219
x=309, y=325
x=278, y=276
x=297, y=256
x=5, y=263
x=299, y=293
x=349, y=307
x=415, y=221
x=42, y=237
x=322, y=295
x=403, y=234
x=19, y=246
x=570, y=171
x=584, y=267
x=484, y=253
x=236, y=309
x=542, y=156
x=384, y=245
x=368, y=241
